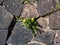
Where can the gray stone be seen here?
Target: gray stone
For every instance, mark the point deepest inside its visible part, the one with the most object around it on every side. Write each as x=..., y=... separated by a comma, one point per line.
x=1, y=1
x=5, y=18
x=19, y=35
x=55, y=20
x=36, y=43
x=46, y=6
x=3, y=36
x=29, y=11
x=57, y=44
x=46, y=37
x=44, y=22
x=58, y=0
x=13, y=6
x=57, y=37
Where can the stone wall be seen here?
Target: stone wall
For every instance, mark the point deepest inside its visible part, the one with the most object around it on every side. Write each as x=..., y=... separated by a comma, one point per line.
x=13, y=33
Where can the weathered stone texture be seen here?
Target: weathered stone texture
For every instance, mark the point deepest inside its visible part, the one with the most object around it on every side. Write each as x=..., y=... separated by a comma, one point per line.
x=5, y=18
x=54, y=20
x=36, y=43
x=1, y=1
x=19, y=35
x=46, y=37
x=29, y=11
x=13, y=6
x=46, y=6
x=44, y=22
x=57, y=37
x=57, y=44
x=3, y=36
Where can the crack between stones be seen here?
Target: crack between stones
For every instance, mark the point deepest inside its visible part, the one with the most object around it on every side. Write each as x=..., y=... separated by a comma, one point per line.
x=10, y=28
x=13, y=22
x=47, y=14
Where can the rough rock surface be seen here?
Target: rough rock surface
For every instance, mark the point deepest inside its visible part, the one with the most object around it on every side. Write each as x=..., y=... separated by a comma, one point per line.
x=54, y=20
x=19, y=35
x=5, y=18
x=57, y=44
x=44, y=22
x=57, y=37
x=46, y=37
x=36, y=43
x=45, y=6
x=3, y=36
x=13, y=33
x=13, y=6
x=29, y=11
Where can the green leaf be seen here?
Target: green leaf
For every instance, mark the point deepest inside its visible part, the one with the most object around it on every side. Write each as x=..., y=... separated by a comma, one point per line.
x=58, y=6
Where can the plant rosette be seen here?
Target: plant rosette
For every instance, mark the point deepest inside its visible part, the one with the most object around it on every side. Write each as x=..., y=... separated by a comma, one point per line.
x=30, y=24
